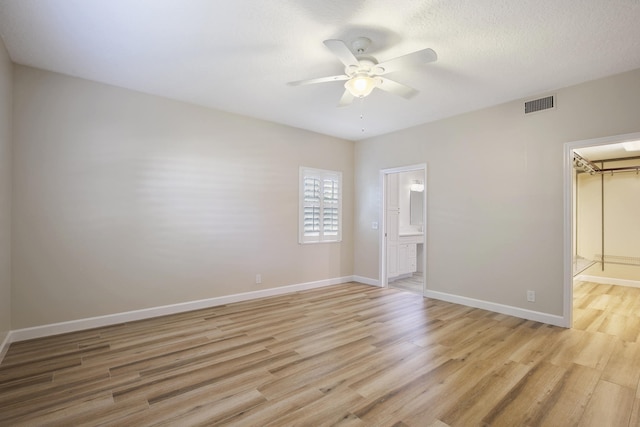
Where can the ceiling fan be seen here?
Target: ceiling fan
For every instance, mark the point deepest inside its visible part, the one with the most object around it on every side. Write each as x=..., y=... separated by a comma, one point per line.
x=363, y=73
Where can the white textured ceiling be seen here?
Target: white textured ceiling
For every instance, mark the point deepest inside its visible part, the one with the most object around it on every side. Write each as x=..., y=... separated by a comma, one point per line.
x=237, y=55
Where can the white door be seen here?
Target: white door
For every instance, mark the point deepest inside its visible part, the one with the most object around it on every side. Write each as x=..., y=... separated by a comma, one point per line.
x=392, y=225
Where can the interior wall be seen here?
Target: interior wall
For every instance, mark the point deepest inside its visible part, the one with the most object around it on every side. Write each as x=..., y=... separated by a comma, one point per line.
x=125, y=201
x=621, y=226
x=495, y=197
x=6, y=73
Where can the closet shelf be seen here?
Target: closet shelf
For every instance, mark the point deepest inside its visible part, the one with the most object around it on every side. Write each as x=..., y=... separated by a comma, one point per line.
x=616, y=259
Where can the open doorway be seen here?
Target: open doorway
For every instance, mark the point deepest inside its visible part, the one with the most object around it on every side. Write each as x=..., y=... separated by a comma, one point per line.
x=602, y=184
x=404, y=228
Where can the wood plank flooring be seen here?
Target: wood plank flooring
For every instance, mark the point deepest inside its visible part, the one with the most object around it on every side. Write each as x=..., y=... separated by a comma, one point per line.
x=350, y=355
x=413, y=283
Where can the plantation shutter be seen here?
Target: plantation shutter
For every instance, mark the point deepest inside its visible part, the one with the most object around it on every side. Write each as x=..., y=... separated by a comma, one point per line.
x=331, y=192
x=320, y=205
x=311, y=206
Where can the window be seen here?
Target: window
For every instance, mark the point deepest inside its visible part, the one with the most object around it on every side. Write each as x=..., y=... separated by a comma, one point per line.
x=320, y=206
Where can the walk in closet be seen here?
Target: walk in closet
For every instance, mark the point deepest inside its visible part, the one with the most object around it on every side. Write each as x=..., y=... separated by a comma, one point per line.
x=606, y=198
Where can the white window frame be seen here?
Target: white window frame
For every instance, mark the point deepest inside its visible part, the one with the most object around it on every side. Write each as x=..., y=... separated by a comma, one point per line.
x=321, y=235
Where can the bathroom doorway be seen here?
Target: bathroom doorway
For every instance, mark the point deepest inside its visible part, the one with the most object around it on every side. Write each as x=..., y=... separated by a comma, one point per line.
x=404, y=228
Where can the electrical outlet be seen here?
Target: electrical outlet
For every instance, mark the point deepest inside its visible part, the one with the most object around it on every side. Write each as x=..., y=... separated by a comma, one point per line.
x=374, y=225
x=531, y=296
x=258, y=279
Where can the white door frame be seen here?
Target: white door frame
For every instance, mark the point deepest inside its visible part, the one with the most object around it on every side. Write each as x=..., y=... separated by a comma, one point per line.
x=568, y=248
x=383, y=222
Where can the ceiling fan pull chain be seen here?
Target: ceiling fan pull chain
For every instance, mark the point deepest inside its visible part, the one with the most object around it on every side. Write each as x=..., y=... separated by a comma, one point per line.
x=362, y=113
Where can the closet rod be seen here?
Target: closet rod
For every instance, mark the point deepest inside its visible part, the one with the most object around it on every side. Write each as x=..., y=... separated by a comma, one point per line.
x=583, y=165
x=622, y=169
x=614, y=170
x=602, y=212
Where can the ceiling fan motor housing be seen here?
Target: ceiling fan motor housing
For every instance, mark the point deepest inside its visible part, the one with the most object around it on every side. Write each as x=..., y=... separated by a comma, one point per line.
x=366, y=64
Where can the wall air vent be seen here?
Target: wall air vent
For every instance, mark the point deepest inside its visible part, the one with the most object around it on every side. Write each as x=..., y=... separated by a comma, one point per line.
x=539, y=104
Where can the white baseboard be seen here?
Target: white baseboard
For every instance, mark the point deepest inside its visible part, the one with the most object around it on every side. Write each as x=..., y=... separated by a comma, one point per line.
x=366, y=280
x=130, y=316
x=500, y=308
x=608, y=281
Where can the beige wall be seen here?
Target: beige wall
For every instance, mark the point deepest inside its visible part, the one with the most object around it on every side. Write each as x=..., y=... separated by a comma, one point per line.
x=125, y=201
x=6, y=72
x=495, y=191
x=621, y=225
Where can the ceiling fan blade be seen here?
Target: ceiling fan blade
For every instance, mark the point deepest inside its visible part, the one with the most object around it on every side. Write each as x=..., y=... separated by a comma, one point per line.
x=347, y=99
x=319, y=80
x=396, y=88
x=340, y=49
x=409, y=60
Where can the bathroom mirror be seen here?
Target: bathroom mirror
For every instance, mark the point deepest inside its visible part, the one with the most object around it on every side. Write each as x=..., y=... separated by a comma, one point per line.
x=416, y=202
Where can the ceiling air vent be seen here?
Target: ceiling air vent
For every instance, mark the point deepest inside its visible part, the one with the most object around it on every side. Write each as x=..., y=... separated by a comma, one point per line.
x=539, y=104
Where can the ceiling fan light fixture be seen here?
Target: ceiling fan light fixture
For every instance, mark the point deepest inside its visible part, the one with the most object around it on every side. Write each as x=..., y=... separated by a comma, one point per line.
x=361, y=85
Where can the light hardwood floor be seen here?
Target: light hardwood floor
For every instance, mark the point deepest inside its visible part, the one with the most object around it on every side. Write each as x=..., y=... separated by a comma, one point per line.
x=345, y=355
x=413, y=283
